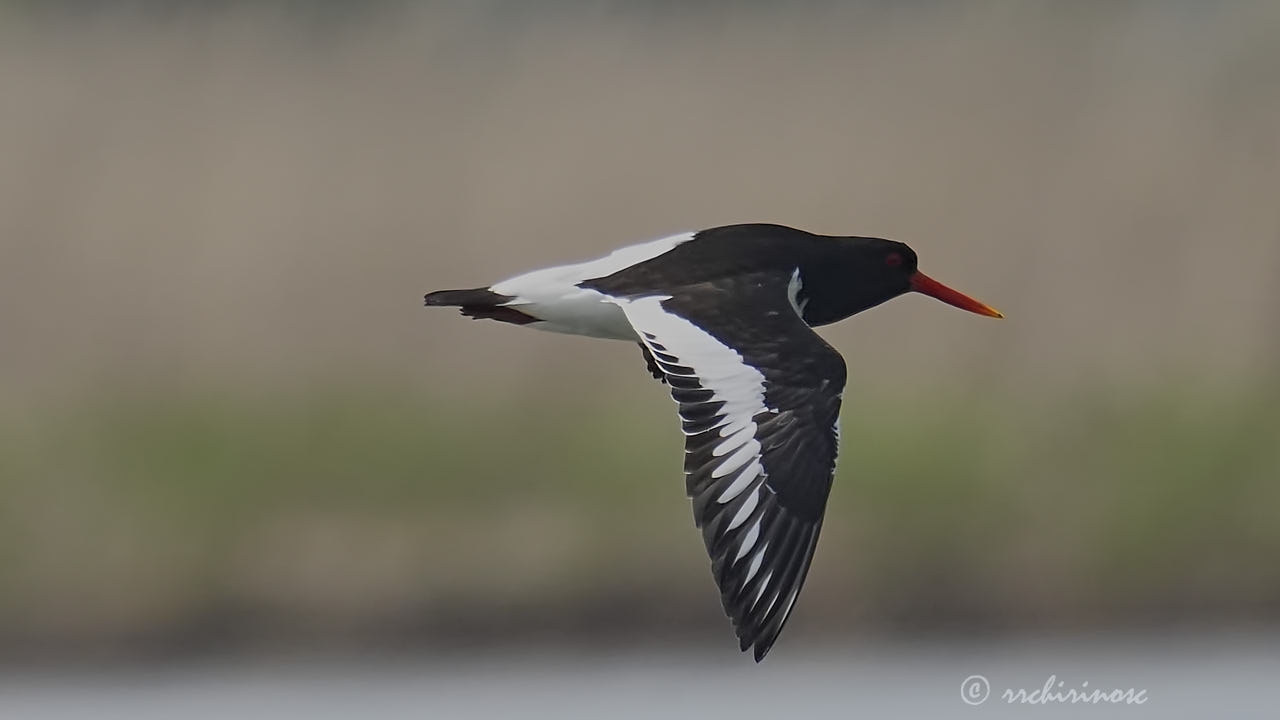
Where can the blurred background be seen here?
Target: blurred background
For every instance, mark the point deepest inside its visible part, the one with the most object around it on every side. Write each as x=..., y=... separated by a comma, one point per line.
x=241, y=463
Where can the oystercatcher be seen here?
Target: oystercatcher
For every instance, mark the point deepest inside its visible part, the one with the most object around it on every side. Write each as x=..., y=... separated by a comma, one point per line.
x=723, y=317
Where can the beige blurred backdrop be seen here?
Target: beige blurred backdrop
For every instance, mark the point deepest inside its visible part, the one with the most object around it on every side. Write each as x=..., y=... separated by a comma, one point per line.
x=228, y=423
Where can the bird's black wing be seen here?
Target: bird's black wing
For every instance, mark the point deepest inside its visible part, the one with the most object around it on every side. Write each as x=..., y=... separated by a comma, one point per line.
x=759, y=396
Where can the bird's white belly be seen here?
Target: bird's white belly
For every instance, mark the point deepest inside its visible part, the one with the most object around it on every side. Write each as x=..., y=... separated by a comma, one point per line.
x=579, y=312
x=553, y=296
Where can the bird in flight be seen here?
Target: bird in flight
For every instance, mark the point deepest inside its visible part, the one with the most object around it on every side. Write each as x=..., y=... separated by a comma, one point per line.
x=723, y=317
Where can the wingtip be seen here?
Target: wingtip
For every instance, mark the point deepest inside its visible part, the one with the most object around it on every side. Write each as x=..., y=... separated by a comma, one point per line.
x=763, y=646
x=759, y=646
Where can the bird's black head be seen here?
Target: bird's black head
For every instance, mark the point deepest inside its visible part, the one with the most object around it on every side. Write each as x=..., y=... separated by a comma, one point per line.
x=858, y=273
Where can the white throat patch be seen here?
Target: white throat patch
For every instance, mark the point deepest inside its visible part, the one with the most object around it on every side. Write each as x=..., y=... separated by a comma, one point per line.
x=793, y=293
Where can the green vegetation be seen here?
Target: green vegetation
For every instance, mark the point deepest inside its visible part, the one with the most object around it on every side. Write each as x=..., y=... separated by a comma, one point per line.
x=357, y=508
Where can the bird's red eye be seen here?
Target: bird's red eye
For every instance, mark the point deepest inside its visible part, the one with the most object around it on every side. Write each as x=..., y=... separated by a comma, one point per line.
x=893, y=260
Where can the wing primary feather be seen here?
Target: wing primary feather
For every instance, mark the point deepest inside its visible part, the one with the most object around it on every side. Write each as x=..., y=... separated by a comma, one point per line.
x=758, y=396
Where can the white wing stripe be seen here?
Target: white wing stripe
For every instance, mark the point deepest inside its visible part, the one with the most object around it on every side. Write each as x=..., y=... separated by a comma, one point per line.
x=749, y=540
x=729, y=426
x=741, y=482
x=744, y=512
x=737, y=460
x=791, y=601
x=726, y=425
x=754, y=567
x=738, y=439
x=764, y=586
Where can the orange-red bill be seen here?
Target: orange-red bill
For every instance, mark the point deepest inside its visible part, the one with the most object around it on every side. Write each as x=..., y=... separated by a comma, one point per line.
x=926, y=285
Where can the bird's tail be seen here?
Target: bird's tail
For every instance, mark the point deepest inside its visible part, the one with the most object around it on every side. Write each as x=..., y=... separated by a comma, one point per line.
x=463, y=298
x=479, y=303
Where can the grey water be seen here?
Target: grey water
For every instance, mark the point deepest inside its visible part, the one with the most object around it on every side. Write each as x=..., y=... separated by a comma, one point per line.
x=1201, y=675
